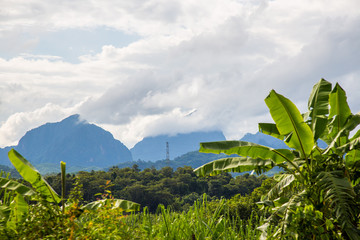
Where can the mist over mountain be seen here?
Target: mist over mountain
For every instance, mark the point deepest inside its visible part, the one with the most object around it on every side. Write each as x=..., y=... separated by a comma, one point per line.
x=154, y=148
x=73, y=141
x=85, y=146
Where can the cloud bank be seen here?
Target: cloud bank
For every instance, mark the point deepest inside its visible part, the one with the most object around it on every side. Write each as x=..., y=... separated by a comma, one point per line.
x=215, y=59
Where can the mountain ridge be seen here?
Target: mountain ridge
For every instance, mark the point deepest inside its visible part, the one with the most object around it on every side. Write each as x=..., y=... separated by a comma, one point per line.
x=84, y=146
x=71, y=140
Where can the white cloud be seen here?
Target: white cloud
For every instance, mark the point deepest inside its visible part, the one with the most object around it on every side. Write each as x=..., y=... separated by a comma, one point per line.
x=219, y=57
x=19, y=123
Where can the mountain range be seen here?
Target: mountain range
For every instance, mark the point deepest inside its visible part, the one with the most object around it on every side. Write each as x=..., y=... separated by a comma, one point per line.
x=72, y=140
x=154, y=148
x=85, y=146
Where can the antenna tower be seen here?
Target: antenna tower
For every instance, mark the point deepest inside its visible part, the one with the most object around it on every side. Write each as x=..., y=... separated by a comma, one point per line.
x=167, y=153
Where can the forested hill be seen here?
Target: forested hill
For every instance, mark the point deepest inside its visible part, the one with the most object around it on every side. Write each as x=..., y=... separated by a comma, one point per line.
x=193, y=159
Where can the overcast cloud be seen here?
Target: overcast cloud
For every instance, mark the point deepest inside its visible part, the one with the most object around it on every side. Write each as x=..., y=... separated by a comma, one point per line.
x=146, y=67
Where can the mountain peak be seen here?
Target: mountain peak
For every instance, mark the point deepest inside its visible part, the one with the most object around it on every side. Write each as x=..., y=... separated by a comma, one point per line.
x=74, y=141
x=74, y=119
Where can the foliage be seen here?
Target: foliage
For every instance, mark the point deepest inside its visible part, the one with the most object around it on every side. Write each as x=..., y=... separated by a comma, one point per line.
x=193, y=159
x=150, y=187
x=44, y=218
x=203, y=220
x=104, y=219
x=12, y=171
x=314, y=197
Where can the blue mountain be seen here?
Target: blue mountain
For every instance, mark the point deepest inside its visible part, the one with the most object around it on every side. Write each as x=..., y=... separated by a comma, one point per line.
x=73, y=141
x=265, y=140
x=154, y=148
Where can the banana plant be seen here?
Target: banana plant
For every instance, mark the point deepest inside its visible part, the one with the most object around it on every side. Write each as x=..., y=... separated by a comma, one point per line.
x=14, y=205
x=314, y=196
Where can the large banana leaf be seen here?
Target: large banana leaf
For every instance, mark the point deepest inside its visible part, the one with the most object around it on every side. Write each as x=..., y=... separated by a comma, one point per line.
x=290, y=123
x=4, y=214
x=285, y=209
x=284, y=182
x=12, y=185
x=353, y=144
x=247, y=149
x=115, y=203
x=356, y=135
x=352, y=158
x=19, y=209
x=30, y=174
x=234, y=164
x=339, y=112
x=339, y=196
x=270, y=129
x=352, y=122
x=319, y=107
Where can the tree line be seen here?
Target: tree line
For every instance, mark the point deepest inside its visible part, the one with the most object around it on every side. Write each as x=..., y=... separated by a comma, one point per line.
x=151, y=187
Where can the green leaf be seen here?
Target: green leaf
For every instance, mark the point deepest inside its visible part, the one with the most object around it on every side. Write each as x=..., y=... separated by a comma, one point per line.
x=339, y=112
x=63, y=184
x=13, y=185
x=19, y=209
x=356, y=135
x=353, y=144
x=247, y=149
x=318, y=106
x=284, y=181
x=352, y=158
x=339, y=196
x=270, y=129
x=342, y=135
x=5, y=212
x=290, y=123
x=30, y=174
x=286, y=211
x=263, y=229
x=234, y=164
x=115, y=203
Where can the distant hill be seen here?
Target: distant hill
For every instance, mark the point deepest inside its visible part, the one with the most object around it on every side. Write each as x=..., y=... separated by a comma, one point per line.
x=154, y=148
x=196, y=159
x=78, y=143
x=6, y=170
x=193, y=159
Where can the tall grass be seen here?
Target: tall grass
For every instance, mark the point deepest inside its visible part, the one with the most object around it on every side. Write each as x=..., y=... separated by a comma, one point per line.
x=201, y=221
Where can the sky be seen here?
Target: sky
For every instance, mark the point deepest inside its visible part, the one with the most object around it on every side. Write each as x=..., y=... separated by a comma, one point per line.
x=147, y=67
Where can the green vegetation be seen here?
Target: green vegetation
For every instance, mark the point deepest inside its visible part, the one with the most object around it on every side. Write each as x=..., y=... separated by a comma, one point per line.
x=171, y=200
x=316, y=196
x=16, y=212
x=150, y=187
